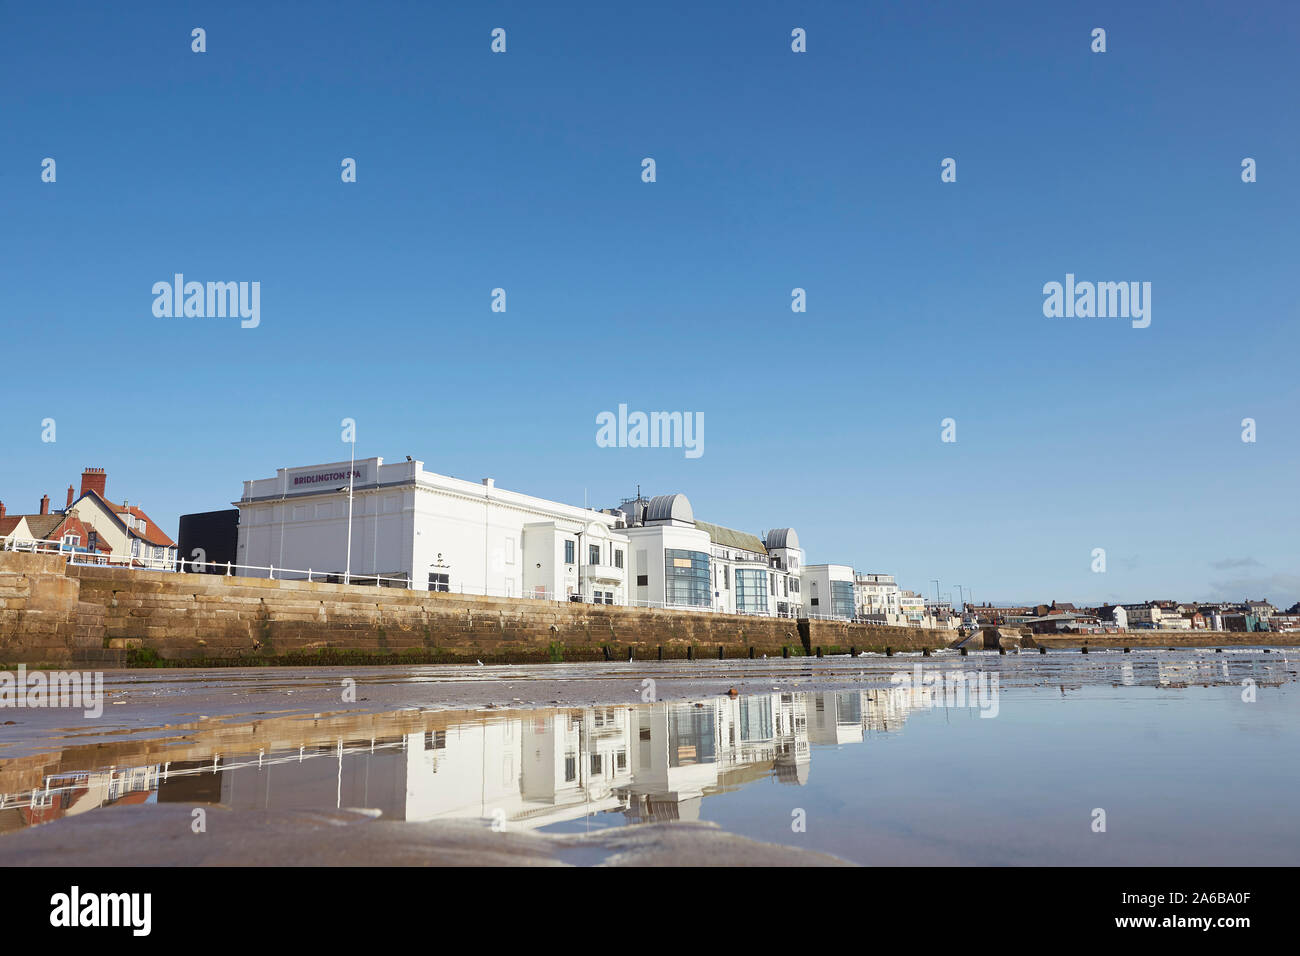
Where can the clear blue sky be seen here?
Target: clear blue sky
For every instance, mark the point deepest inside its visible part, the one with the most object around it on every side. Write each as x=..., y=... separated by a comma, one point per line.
x=775, y=170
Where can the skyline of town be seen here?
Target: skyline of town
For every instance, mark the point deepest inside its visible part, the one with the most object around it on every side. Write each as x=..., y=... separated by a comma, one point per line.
x=79, y=524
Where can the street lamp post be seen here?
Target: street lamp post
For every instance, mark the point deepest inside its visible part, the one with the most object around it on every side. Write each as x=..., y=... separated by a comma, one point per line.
x=582, y=595
x=352, y=471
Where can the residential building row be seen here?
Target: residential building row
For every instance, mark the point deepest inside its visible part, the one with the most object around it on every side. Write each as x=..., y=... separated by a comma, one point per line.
x=92, y=528
x=1163, y=615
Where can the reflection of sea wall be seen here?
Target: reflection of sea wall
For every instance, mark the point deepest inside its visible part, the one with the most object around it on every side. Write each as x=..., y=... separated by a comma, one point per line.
x=651, y=761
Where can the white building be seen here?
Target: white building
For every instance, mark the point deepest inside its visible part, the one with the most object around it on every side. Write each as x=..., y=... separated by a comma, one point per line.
x=828, y=591
x=755, y=576
x=912, y=606
x=671, y=557
x=876, y=597
x=416, y=528
x=684, y=563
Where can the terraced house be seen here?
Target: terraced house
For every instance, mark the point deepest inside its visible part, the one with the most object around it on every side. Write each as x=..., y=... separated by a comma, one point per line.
x=92, y=528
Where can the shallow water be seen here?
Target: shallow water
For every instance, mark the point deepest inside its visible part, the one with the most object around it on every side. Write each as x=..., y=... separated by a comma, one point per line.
x=1013, y=767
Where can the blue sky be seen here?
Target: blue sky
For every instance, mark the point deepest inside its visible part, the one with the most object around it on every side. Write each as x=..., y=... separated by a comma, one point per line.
x=775, y=170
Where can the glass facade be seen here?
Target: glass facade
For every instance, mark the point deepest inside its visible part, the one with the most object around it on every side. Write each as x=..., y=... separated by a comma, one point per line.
x=751, y=591
x=756, y=718
x=692, y=735
x=686, y=578
x=842, y=599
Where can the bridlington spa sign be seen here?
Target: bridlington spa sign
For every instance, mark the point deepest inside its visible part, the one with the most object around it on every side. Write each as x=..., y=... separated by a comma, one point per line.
x=324, y=478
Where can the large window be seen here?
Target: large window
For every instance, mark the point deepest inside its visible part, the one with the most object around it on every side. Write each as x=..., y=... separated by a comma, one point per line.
x=751, y=591
x=686, y=578
x=842, y=599
x=593, y=554
x=568, y=552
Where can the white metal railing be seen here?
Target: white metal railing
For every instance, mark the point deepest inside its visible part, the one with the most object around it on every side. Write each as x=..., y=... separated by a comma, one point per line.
x=77, y=554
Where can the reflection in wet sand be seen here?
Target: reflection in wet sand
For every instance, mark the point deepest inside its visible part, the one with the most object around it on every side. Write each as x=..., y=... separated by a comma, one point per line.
x=942, y=790
x=525, y=769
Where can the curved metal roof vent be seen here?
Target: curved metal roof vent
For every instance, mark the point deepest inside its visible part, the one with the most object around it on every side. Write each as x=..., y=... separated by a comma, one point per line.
x=669, y=508
x=782, y=538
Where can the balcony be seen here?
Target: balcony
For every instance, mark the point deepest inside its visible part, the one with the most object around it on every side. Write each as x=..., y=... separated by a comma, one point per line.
x=603, y=573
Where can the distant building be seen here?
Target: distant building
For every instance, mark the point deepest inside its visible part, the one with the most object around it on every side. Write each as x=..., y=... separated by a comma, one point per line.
x=1114, y=614
x=912, y=607
x=1261, y=609
x=1006, y=614
x=1143, y=616
x=875, y=595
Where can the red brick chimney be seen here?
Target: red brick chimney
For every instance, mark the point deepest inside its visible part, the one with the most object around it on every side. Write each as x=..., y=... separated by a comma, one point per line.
x=71, y=494
x=2, y=509
x=45, y=504
x=93, y=479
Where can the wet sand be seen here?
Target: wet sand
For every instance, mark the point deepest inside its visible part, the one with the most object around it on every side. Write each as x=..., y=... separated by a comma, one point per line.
x=163, y=836
x=150, y=702
x=168, y=708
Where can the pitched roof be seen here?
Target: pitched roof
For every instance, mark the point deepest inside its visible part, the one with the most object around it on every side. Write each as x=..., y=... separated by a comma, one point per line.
x=42, y=526
x=152, y=533
x=729, y=538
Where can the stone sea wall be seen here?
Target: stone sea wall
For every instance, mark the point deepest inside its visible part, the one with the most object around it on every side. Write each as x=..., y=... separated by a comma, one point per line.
x=55, y=613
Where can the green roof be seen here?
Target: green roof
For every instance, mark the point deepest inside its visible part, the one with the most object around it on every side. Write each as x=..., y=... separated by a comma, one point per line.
x=730, y=538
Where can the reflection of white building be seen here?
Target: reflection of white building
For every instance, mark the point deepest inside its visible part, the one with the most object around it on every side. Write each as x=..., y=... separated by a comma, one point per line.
x=835, y=718
x=648, y=762
x=443, y=533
